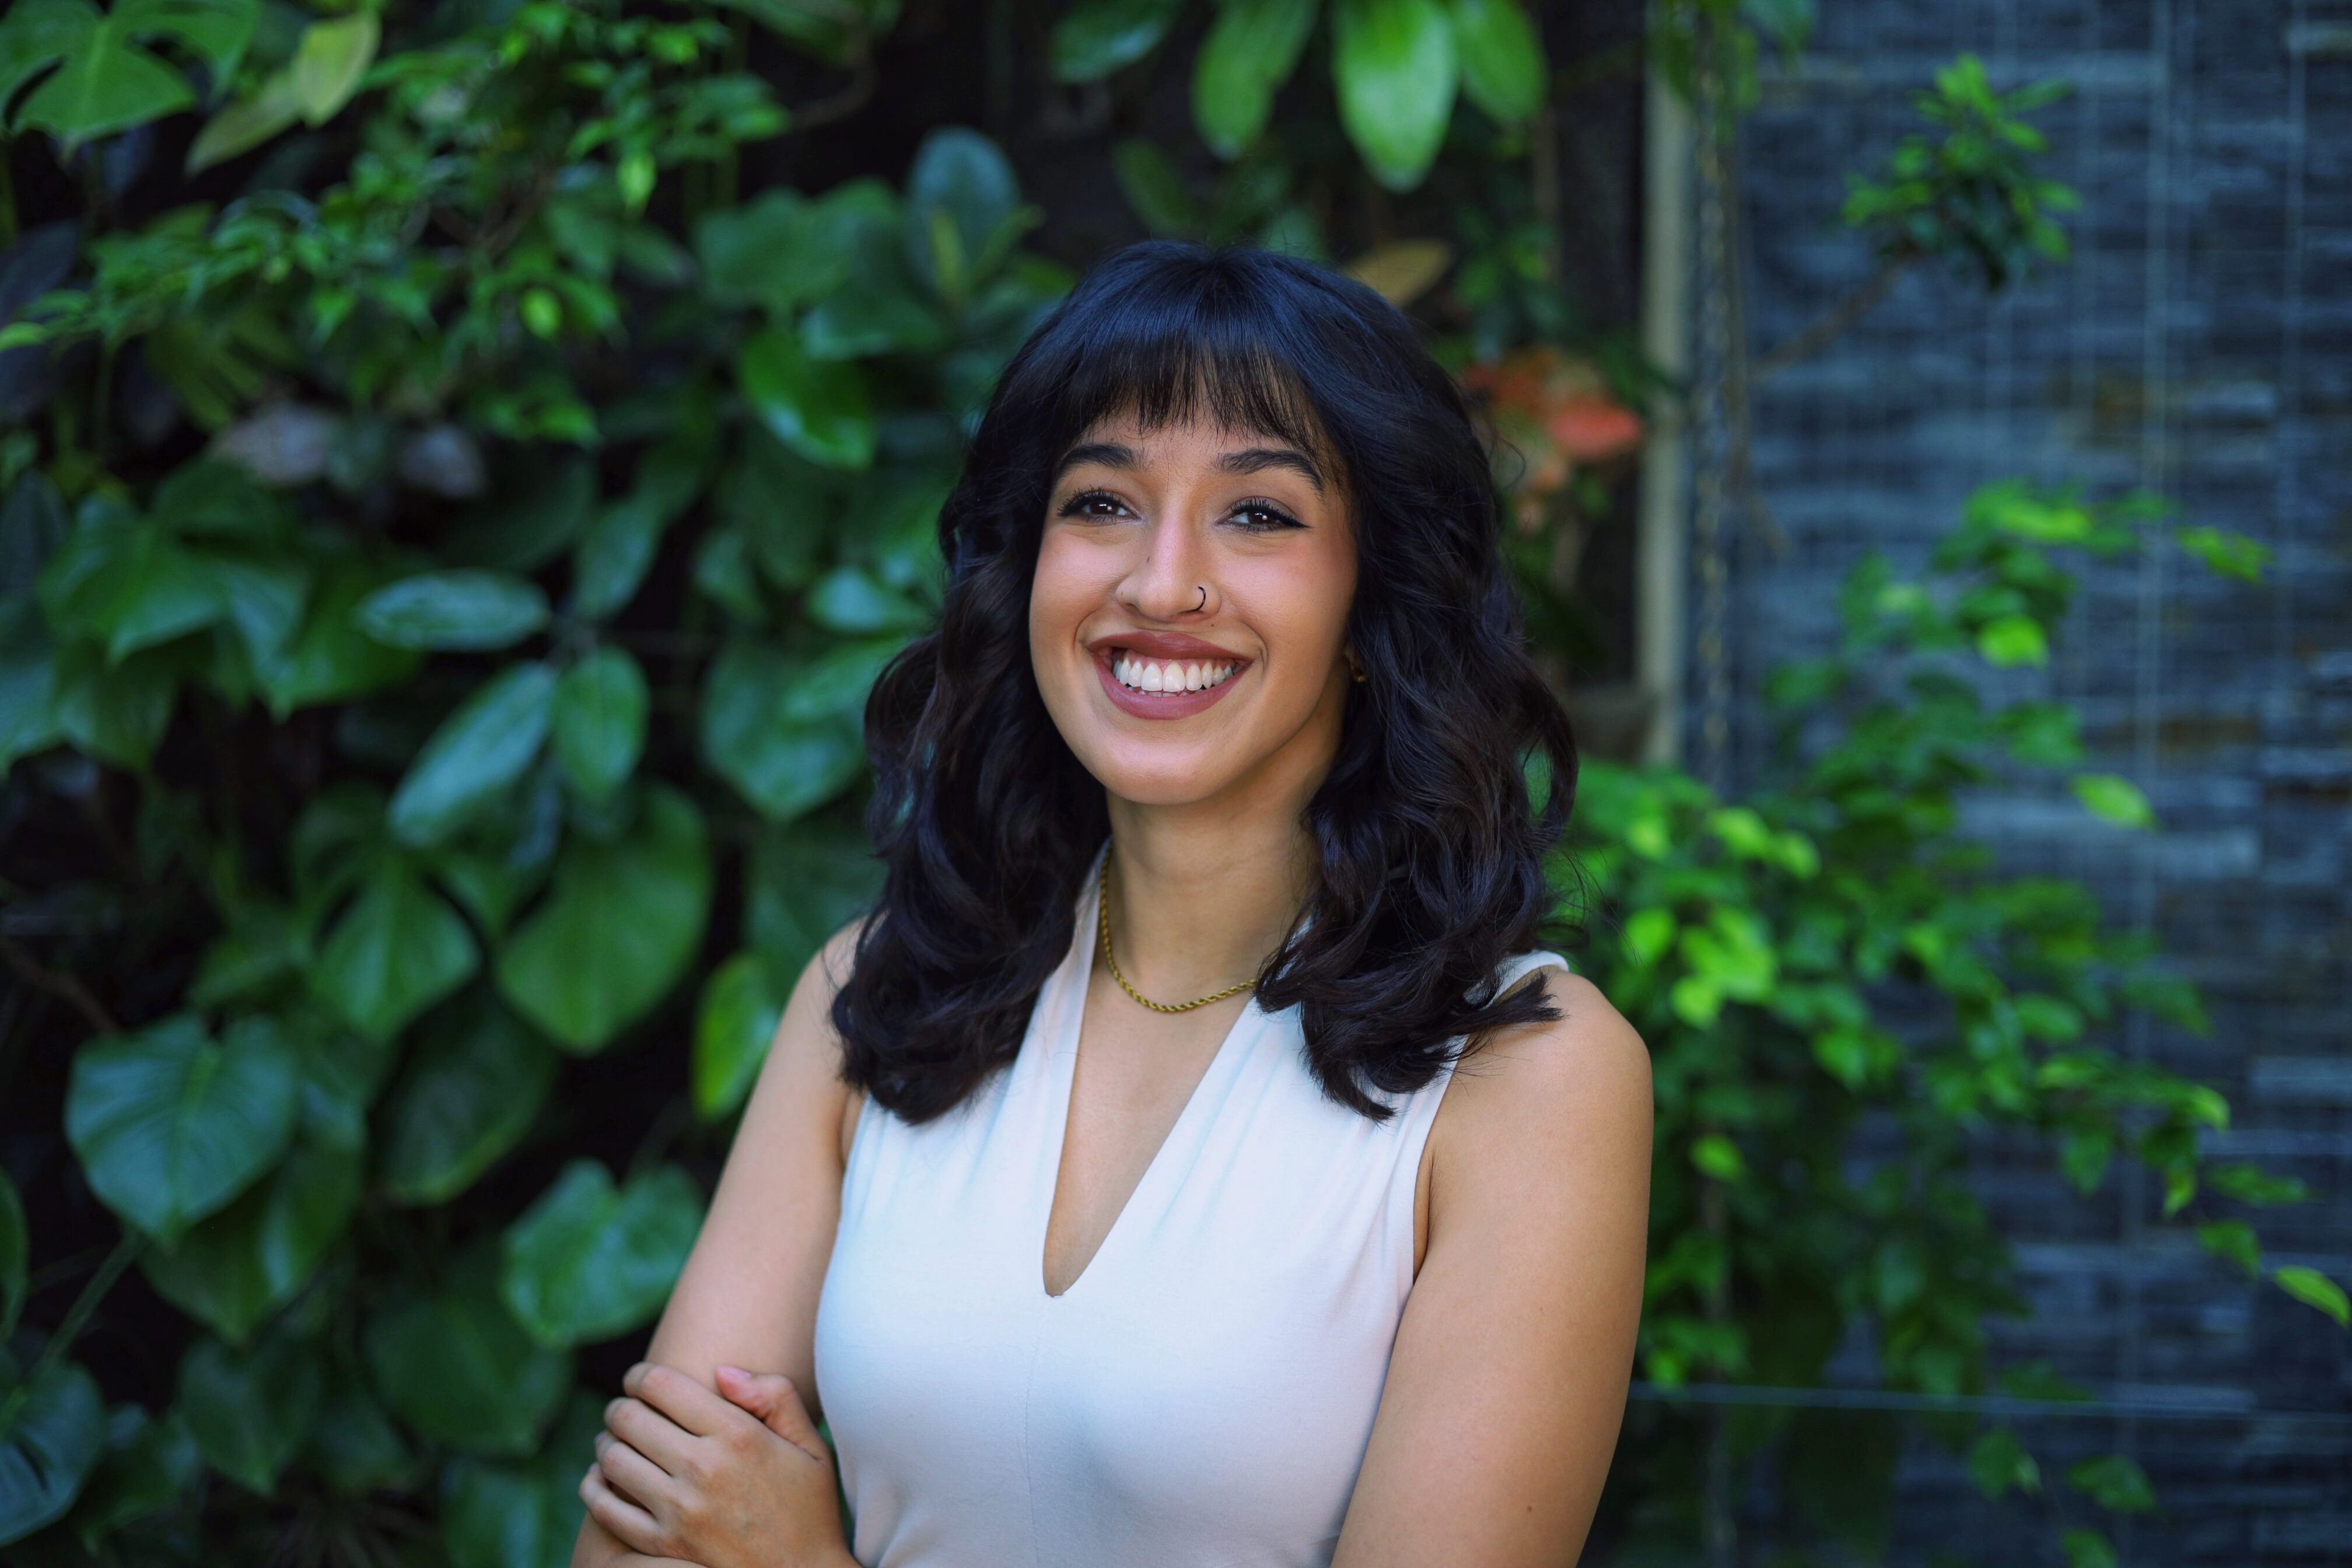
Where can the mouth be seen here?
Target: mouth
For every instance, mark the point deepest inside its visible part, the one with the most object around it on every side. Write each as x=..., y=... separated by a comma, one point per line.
x=1155, y=676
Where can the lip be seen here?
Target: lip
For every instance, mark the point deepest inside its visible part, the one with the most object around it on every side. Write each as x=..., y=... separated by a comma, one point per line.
x=1164, y=645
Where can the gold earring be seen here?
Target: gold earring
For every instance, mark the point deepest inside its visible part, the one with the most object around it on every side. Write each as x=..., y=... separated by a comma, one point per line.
x=1357, y=671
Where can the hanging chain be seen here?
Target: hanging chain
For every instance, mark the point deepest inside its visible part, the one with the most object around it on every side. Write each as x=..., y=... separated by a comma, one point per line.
x=1102, y=927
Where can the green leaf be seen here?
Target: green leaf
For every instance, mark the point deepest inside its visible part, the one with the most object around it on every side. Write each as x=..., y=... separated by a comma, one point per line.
x=1097, y=37
x=478, y=753
x=37, y=34
x=250, y=1411
x=246, y=123
x=129, y=585
x=27, y=685
x=2313, y=1289
x=468, y=1095
x=48, y=1446
x=462, y=609
x=961, y=197
x=2235, y=1240
x=15, y=1247
x=2012, y=640
x=397, y=950
x=590, y=1261
x=216, y=30
x=498, y=1515
x=734, y=1027
x=2227, y=553
x=807, y=882
x=817, y=407
x=2086, y=1549
x=330, y=659
x=234, y=1268
x=1251, y=50
x=784, y=766
x=150, y=1463
x=456, y=1365
x=619, y=929
x=1503, y=65
x=2116, y=798
x=532, y=519
x=171, y=1124
x=1155, y=190
x=355, y=1444
x=1998, y=1464
x=1715, y=1155
x=330, y=61
x=2114, y=1482
x=849, y=600
x=1393, y=62
x=599, y=721
x=1648, y=934
x=106, y=84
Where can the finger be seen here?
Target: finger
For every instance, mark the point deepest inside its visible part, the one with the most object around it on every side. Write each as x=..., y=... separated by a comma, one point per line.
x=629, y=1524
x=632, y=1474
x=776, y=1401
x=650, y=1433
x=683, y=1399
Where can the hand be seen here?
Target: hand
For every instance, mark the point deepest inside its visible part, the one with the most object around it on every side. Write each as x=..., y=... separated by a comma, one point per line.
x=742, y=1481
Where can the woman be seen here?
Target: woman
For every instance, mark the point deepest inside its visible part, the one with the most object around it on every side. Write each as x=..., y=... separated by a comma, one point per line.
x=1114, y=1185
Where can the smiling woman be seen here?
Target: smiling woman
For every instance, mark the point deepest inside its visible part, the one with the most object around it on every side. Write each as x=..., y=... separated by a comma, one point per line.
x=1194, y=1158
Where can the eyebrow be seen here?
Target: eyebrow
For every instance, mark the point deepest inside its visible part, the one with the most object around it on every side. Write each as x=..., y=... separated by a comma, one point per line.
x=1247, y=460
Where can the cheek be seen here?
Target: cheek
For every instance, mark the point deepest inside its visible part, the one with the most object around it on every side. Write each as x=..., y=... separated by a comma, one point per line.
x=1063, y=593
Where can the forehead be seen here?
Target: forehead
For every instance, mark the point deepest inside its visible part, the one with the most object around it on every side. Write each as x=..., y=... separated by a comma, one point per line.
x=1131, y=436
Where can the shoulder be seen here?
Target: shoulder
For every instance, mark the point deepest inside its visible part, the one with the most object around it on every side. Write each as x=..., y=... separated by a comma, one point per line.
x=1540, y=1103
x=805, y=1059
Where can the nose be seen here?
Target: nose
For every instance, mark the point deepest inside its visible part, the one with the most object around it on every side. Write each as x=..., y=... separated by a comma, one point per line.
x=1167, y=581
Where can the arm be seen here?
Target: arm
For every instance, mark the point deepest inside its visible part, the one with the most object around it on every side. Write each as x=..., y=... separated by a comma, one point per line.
x=1508, y=1381
x=748, y=1291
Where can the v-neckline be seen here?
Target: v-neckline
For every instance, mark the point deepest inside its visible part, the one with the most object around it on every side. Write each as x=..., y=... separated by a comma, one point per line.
x=1062, y=1083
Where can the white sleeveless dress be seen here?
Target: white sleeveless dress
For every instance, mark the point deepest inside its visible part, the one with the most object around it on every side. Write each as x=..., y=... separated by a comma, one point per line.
x=1200, y=1396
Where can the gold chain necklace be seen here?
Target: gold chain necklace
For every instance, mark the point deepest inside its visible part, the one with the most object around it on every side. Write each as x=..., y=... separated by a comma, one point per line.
x=1102, y=925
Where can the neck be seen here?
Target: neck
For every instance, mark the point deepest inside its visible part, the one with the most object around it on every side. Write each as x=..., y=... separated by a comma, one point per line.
x=1202, y=894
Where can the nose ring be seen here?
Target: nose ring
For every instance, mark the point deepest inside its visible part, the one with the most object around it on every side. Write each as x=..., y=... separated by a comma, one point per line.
x=1204, y=598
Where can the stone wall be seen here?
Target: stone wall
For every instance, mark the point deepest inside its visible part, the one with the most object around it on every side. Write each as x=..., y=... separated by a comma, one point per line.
x=2200, y=342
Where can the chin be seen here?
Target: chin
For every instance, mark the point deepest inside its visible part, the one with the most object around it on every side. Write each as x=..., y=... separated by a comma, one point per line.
x=1160, y=772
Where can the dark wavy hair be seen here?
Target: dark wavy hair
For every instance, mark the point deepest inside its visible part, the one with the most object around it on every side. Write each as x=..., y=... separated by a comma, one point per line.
x=1429, y=837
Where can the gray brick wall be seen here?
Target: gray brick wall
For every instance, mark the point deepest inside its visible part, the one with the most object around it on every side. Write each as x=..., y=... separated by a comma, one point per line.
x=2200, y=342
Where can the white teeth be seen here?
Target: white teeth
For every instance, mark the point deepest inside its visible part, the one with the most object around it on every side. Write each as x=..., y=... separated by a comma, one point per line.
x=1152, y=675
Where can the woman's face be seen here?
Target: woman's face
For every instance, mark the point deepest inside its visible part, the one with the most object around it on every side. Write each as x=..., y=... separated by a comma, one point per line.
x=1188, y=618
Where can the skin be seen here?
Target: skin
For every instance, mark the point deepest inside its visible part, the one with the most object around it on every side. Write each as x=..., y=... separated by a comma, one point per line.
x=1508, y=1381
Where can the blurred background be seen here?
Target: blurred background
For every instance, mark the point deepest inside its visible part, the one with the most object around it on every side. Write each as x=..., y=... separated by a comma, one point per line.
x=464, y=463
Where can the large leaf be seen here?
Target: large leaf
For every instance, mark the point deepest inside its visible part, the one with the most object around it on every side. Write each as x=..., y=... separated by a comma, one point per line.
x=47, y=1446
x=619, y=927
x=734, y=1026
x=129, y=585
x=599, y=721
x=454, y=609
x=1393, y=64
x=456, y=1365
x=397, y=950
x=1249, y=53
x=807, y=882
x=1098, y=37
x=37, y=34
x=150, y=1463
x=817, y=407
x=468, y=1095
x=784, y=766
x=15, y=1247
x=330, y=61
x=330, y=659
x=250, y=1411
x=28, y=684
x=234, y=1268
x=106, y=83
x=172, y=1124
x=1503, y=68
x=479, y=752
x=590, y=1261
x=504, y=1514
x=116, y=713
x=963, y=209
x=355, y=1444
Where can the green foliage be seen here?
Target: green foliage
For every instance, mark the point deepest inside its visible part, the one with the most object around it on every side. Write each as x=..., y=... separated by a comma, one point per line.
x=1832, y=947
x=1974, y=195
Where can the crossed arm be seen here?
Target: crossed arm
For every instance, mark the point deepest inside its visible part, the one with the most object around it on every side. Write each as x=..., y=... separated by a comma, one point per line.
x=1506, y=1387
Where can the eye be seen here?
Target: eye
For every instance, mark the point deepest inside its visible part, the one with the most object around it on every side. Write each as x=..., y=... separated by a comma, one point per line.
x=1262, y=517
x=1093, y=503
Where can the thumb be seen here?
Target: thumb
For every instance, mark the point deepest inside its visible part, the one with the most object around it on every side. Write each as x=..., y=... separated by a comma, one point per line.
x=771, y=1396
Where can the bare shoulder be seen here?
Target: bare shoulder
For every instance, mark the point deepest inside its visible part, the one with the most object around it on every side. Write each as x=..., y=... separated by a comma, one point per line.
x=1551, y=1095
